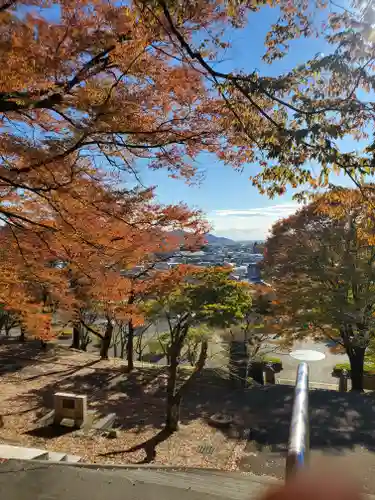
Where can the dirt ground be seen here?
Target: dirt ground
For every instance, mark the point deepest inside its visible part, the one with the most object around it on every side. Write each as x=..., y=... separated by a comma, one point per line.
x=29, y=378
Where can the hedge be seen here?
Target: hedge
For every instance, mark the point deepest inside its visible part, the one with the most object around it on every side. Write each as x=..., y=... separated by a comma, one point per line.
x=65, y=333
x=368, y=369
x=271, y=359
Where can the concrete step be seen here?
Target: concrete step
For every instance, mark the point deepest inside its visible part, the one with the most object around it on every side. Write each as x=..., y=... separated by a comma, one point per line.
x=72, y=458
x=22, y=453
x=236, y=488
x=74, y=482
x=61, y=481
x=57, y=456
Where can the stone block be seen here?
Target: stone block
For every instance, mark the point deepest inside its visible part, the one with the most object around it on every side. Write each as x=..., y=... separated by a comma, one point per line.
x=70, y=406
x=113, y=434
x=47, y=419
x=105, y=422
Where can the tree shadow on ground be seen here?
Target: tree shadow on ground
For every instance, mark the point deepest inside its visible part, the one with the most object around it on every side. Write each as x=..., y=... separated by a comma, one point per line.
x=50, y=431
x=338, y=421
x=16, y=356
x=108, y=391
x=139, y=399
x=341, y=426
x=149, y=447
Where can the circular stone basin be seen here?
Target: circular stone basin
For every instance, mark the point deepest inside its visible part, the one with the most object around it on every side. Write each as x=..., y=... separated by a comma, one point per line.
x=307, y=355
x=220, y=420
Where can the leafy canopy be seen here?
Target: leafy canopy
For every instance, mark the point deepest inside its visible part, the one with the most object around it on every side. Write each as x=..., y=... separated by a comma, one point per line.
x=205, y=296
x=323, y=269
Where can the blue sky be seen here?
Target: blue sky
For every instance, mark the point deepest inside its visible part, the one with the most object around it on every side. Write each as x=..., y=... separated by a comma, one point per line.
x=233, y=206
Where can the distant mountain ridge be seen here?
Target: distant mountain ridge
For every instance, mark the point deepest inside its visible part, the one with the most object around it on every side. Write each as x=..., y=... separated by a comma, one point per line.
x=218, y=240
x=211, y=239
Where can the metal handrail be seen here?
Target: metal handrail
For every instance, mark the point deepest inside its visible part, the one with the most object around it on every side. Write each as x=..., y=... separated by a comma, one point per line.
x=299, y=440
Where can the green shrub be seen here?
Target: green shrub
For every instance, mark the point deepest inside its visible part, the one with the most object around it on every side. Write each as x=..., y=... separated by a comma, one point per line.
x=369, y=367
x=271, y=359
x=65, y=333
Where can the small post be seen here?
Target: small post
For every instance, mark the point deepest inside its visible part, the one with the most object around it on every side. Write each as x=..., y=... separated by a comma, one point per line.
x=299, y=440
x=270, y=374
x=343, y=381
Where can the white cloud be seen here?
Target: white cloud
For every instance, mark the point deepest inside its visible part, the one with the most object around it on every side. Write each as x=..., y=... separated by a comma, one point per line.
x=251, y=223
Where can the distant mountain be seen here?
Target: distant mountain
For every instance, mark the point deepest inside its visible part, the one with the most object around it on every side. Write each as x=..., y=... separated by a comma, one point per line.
x=218, y=240
x=210, y=238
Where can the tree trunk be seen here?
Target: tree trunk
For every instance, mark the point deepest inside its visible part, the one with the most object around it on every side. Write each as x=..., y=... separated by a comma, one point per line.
x=123, y=344
x=168, y=355
x=130, y=346
x=85, y=339
x=257, y=372
x=106, y=340
x=202, y=357
x=357, y=359
x=22, y=337
x=130, y=339
x=173, y=413
x=76, y=337
x=173, y=399
x=8, y=326
x=3, y=324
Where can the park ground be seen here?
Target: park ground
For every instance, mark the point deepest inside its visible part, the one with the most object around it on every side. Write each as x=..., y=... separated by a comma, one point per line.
x=30, y=378
x=341, y=425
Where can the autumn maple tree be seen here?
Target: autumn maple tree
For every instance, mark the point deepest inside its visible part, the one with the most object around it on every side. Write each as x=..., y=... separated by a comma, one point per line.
x=78, y=267
x=92, y=92
x=322, y=263
x=105, y=279
x=130, y=81
x=84, y=95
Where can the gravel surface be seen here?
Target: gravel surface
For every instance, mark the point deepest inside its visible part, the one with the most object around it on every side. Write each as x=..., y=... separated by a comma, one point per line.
x=29, y=379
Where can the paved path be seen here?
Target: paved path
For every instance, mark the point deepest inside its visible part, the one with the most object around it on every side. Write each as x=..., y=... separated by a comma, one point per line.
x=320, y=371
x=27, y=480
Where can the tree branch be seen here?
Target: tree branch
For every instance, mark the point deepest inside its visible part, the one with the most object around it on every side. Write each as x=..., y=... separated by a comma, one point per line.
x=7, y=5
x=91, y=330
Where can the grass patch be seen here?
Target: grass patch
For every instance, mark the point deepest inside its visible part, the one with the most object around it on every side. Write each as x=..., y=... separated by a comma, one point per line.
x=159, y=345
x=154, y=347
